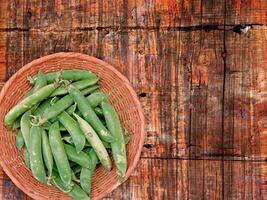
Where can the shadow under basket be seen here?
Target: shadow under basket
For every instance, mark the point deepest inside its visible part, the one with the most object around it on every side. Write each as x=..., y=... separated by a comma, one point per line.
x=121, y=96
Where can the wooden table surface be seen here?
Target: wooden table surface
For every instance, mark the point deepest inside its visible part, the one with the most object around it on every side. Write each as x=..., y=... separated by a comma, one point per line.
x=199, y=68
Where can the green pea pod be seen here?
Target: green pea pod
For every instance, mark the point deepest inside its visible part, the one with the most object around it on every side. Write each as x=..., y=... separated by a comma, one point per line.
x=118, y=147
x=73, y=176
x=99, y=112
x=80, y=158
x=74, y=130
x=89, y=115
x=95, y=142
x=28, y=103
x=69, y=140
x=27, y=158
x=42, y=107
x=77, y=193
x=47, y=125
x=56, y=109
x=79, y=84
x=56, y=181
x=59, y=154
x=25, y=126
x=96, y=98
x=72, y=75
x=87, y=174
x=19, y=140
x=39, y=83
x=47, y=153
x=36, y=160
x=90, y=89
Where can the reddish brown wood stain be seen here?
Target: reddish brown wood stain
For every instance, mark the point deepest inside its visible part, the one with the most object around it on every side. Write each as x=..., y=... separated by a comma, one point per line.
x=202, y=85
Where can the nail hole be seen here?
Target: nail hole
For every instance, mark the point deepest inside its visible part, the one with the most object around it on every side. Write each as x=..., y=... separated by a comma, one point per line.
x=143, y=94
x=148, y=146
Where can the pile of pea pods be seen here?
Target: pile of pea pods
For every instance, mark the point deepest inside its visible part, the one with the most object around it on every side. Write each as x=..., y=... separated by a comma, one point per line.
x=66, y=127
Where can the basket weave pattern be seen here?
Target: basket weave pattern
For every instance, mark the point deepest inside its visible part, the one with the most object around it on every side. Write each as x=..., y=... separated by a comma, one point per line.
x=121, y=95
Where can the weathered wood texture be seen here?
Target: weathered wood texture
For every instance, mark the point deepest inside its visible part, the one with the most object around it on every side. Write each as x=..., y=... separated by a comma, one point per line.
x=202, y=85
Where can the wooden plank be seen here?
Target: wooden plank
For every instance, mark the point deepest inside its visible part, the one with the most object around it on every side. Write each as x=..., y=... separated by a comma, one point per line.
x=185, y=179
x=62, y=15
x=245, y=132
x=195, y=179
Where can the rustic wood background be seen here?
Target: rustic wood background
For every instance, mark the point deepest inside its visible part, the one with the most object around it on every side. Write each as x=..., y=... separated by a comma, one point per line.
x=201, y=80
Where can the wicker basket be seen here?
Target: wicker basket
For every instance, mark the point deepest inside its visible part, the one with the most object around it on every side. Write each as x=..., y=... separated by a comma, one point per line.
x=122, y=96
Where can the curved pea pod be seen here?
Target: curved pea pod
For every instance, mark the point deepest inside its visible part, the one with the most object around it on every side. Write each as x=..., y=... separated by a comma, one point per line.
x=19, y=140
x=90, y=89
x=47, y=153
x=59, y=154
x=25, y=126
x=96, y=98
x=28, y=102
x=95, y=142
x=77, y=193
x=74, y=130
x=80, y=158
x=27, y=158
x=99, y=112
x=79, y=84
x=36, y=160
x=39, y=83
x=89, y=115
x=87, y=174
x=56, y=181
x=54, y=110
x=118, y=147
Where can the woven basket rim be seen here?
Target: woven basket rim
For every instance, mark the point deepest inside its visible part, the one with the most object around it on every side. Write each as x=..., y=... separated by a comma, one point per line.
x=104, y=64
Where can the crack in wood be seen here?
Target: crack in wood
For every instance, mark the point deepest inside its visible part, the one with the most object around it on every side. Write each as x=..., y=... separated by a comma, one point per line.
x=203, y=27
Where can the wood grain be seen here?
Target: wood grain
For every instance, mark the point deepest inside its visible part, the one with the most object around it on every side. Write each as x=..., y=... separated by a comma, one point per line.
x=201, y=82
